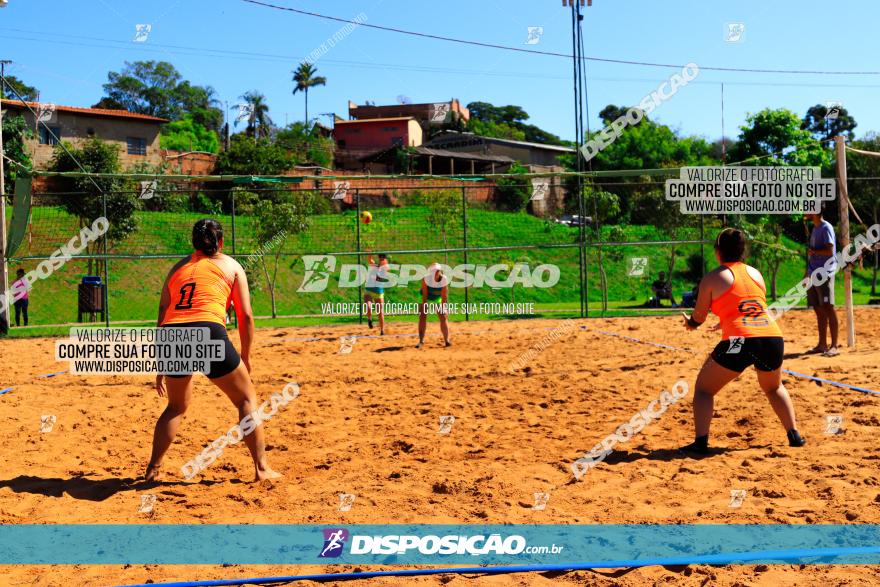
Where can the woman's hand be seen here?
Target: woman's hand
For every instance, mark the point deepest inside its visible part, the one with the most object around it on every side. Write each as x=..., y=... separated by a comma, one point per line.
x=160, y=386
x=687, y=322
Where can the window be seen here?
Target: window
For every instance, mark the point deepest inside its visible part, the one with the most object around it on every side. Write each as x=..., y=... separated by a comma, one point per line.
x=90, y=132
x=137, y=146
x=397, y=142
x=46, y=135
x=341, y=143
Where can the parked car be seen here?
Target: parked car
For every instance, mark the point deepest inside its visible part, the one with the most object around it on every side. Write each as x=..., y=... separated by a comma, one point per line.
x=574, y=220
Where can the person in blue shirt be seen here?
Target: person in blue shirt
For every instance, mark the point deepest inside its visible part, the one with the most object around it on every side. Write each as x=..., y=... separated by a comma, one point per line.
x=822, y=246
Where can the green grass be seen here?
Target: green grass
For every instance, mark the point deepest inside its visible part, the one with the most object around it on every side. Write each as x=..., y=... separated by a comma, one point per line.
x=135, y=284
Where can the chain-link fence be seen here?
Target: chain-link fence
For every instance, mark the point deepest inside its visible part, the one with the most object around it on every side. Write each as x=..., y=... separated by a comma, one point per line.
x=300, y=245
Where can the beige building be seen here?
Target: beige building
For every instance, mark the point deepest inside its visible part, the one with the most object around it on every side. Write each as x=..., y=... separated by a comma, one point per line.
x=136, y=135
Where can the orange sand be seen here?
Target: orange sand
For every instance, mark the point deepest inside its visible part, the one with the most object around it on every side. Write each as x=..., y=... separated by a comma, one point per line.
x=367, y=424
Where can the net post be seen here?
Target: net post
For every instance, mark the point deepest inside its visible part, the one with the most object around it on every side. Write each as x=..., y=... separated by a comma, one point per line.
x=232, y=220
x=843, y=202
x=4, y=264
x=465, y=243
x=106, y=265
x=357, y=223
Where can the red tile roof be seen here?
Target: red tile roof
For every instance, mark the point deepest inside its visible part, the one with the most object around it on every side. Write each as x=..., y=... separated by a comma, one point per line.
x=87, y=111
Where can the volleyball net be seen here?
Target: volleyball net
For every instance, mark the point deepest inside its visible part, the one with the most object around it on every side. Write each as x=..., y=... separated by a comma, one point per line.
x=620, y=249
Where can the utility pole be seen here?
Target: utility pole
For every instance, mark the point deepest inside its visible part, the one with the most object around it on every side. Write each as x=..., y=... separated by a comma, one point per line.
x=4, y=266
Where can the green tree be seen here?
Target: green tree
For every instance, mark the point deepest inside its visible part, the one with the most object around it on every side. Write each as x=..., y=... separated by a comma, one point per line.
x=824, y=129
x=506, y=122
x=247, y=157
x=498, y=130
x=276, y=223
x=767, y=247
x=15, y=89
x=305, y=78
x=306, y=145
x=187, y=135
x=158, y=89
x=15, y=133
x=514, y=192
x=259, y=125
x=647, y=145
x=865, y=194
x=96, y=156
x=775, y=137
x=444, y=213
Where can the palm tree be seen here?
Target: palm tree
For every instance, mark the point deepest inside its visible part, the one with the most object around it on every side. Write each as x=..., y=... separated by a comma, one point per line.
x=259, y=122
x=305, y=78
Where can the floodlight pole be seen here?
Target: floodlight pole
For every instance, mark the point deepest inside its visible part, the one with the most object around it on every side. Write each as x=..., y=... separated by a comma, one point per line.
x=576, y=18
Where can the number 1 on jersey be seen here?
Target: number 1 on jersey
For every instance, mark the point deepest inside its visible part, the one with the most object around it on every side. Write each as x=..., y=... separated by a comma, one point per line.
x=186, y=297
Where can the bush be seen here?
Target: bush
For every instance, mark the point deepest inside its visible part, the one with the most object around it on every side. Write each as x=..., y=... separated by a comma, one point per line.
x=513, y=193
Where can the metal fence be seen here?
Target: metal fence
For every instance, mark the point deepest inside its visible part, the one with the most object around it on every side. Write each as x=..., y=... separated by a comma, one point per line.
x=599, y=270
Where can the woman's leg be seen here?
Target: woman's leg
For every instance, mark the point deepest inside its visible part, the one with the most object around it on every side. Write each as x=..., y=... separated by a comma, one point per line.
x=423, y=323
x=24, y=310
x=18, y=313
x=179, y=396
x=239, y=388
x=444, y=326
x=711, y=379
x=368, y=300
x=380, y=310
x=771, y=385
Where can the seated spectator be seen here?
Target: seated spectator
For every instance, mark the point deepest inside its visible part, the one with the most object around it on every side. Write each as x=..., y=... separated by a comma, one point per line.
x=662, y=289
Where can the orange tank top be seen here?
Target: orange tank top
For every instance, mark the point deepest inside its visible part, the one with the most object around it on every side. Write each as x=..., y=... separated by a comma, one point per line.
x=742, y=309
x=200, y=292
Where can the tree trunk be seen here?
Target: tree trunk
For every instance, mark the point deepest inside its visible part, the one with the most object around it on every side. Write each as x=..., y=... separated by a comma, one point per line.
x=604, y=281
x=269, y=283
x=307, y=107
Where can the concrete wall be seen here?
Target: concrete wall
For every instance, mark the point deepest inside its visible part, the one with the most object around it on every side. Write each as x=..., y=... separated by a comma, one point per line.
x=377, y=135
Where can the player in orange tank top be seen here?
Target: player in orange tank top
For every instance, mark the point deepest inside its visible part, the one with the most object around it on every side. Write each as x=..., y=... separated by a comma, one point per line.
x=202, y=290
x=735, y=292
x=196, y=294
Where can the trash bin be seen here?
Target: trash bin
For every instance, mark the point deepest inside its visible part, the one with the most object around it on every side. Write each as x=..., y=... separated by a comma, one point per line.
x=91, y=298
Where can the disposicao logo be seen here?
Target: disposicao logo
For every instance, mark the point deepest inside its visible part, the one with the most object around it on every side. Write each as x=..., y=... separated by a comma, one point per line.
x=334, y=542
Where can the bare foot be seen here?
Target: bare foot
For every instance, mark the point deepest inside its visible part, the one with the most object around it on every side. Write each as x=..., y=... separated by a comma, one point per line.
x=152, y=473
x=263, y=475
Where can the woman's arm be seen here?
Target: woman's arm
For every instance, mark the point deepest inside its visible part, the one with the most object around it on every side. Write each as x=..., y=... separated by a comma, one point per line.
x=164, y=302
x=703, y=305
x=241, y=298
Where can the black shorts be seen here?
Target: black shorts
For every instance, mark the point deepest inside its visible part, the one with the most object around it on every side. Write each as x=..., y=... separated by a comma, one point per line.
x=231, y=359
x=821, y=295
x=737, y=353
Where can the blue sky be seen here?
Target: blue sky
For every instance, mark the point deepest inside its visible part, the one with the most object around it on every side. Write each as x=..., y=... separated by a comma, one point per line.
x=66, y=48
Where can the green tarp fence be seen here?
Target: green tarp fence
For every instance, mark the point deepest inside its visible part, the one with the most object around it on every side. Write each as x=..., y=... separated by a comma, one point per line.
x=21, y=215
